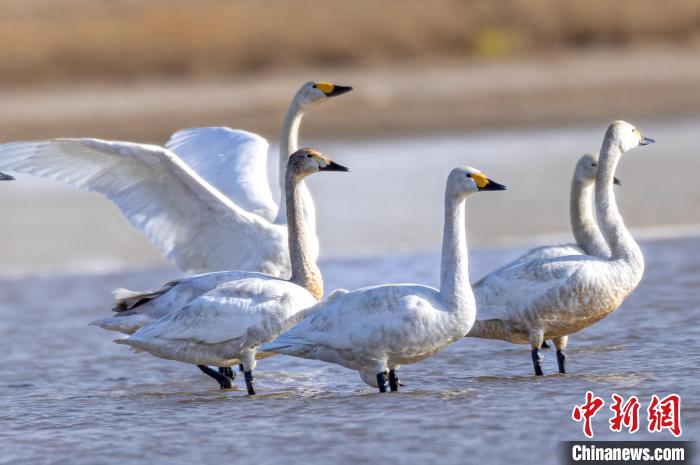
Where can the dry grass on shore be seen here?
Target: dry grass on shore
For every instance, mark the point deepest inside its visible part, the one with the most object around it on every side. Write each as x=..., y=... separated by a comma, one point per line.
x=60, y=40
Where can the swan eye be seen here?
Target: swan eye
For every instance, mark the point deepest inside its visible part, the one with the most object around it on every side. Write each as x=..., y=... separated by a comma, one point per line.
x=314, y=86
x=469, y=175
x=594, y=164
x=308, y=155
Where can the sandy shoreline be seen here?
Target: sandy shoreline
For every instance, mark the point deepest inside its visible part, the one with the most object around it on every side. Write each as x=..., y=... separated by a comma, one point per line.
x=552, y=90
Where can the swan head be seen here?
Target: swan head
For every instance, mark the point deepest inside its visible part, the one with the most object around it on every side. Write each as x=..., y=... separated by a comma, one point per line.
x=587, y=169
x=6, y=177
x=313, y=93
x=307, y=161
x=466, y=180
x=626, y=136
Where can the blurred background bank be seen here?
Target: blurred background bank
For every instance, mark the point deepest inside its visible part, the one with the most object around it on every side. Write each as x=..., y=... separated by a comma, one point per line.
x=519, y=89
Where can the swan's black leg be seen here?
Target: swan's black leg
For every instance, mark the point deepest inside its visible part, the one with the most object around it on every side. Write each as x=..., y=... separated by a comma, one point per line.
x=560, y=343
x=228, y=372
x=240, y=368
x=545, y=345
x=381, y=381
x=561, y=360
x=537, y=361
x=394, y=382
x=249, y=382
x=223, y=381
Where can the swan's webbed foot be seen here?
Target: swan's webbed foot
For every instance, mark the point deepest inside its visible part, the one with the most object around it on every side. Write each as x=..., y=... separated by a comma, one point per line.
x=228, y=372
x=224, y=382
x=249, y=382
x=545, y=345
x=537, y=360
x=394, y=381
x=381, y=381
x=561, y=360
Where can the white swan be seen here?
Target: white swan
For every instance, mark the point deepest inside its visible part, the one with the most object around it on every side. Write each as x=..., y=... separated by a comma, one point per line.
x=204, y=200
x=552, y=298
x=225, y=325
x=589, y=239
x=376, y=329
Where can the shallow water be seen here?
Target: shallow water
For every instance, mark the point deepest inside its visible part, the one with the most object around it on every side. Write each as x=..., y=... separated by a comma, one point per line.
x=69, y=395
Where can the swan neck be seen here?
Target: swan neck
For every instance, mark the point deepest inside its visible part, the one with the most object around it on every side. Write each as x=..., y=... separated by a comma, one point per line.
x=583, y=222
x=289, y=138
x=305, y=271
x=621, y=243
x=454, y=267
x=289, y=145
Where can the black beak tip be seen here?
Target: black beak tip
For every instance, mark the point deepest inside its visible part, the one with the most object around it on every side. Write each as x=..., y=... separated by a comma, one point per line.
x=493, y=186
x=339, y=90
x=333, y=166
x=617, y=181
x=6, y=177
x=646, y=141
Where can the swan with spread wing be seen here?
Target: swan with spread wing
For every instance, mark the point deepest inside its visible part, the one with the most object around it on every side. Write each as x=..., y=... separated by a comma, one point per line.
x=204, y=199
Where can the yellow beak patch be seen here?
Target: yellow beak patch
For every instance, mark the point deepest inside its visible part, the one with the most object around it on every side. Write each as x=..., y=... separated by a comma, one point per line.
x=325, y=87
x=480, y=179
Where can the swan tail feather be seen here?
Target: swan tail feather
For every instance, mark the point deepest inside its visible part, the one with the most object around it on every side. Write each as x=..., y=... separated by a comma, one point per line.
x=126, y=300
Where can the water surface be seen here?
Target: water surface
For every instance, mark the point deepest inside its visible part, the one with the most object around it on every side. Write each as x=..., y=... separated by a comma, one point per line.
x=69, y=395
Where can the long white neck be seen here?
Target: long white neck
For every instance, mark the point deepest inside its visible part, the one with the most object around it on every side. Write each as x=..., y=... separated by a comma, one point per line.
x=289, y=145
x=305, y=271
x=583, y=223
x=622, y=246
x=454, y=267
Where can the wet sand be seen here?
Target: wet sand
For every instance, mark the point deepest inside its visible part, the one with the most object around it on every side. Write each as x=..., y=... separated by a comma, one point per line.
x=551, y=90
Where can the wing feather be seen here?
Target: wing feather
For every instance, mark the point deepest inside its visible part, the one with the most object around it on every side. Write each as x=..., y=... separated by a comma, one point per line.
x=233, y=161
x=189, y=220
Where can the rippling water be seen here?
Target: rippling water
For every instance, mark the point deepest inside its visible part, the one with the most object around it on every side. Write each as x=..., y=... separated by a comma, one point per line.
x=69, y=395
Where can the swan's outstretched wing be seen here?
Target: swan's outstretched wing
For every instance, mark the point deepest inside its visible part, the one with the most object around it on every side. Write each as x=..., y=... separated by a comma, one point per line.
x=184, y=216
x=233, y=161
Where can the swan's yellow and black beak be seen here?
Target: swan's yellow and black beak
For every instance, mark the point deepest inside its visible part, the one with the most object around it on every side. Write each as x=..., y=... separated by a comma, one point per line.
x=486, y=184
x=617, y=181
x=333, y=166
x=332, y=90
x=6, y=177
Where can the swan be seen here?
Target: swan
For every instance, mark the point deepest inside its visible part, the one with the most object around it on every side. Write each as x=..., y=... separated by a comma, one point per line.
x=6, y=177
x=555, y=297
x=203, y=200
x=225, y=325
x=589, y=239
x=376, y=329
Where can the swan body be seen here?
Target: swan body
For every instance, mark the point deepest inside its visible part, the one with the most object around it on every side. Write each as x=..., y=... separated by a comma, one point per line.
x=134, y=310
x=555, y=297
x=203, y=200
x=224, y=325
x=377, y=329
x=589, y=239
